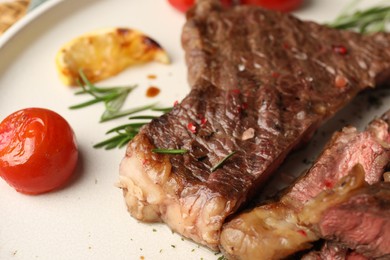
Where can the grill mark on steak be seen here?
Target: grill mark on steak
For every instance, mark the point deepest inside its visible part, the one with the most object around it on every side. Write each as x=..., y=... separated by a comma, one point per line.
x=234, y=94
x=274, y=230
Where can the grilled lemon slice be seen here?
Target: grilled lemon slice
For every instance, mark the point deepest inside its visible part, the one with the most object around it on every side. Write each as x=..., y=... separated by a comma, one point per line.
x=105, y=53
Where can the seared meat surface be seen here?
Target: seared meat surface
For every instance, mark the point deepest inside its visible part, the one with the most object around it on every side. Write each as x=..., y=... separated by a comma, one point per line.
x=355, y=215
x=274, y=230
x=333, y=251
x=262, y=82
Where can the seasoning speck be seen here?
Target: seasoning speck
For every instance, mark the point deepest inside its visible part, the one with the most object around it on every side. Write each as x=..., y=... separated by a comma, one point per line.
x=340, y=82
x=192, y=128
x=340, y=49
x=152, y=76
x=248, y=134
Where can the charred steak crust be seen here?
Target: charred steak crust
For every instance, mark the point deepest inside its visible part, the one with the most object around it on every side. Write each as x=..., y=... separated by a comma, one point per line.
x=257, y=90
x=250, y=47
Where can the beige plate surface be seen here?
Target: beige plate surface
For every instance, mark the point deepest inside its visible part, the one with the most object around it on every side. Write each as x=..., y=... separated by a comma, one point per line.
x=88, y=219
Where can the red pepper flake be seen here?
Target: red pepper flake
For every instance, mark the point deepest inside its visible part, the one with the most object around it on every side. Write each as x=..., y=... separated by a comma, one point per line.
x=340, y=82
x=302, y=232
x=203, y=122
x=340, y=49
x=191, y=127
x=175, y=103
x=236, y=91
x=244, y=105
x=275, y=75
x=286, y=46
x=328, y=184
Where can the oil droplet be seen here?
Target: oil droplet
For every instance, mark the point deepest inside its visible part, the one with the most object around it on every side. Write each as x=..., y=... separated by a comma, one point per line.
x=152, y=91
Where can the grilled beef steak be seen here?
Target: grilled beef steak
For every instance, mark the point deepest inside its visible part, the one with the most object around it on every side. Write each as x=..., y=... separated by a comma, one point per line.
x=354, y=214
x=274, y=230
x=333, y=251
x=262, y=82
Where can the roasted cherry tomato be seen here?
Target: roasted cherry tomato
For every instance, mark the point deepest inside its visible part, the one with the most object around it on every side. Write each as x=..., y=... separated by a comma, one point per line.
x=278, y=5
x=38, y=150
x=184, y=5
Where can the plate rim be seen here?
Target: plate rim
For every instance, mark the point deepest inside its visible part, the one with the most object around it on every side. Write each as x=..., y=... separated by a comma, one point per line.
x=25, y=20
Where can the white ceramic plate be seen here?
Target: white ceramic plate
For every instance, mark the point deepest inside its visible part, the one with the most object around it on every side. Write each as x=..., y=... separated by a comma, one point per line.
x=88, y=219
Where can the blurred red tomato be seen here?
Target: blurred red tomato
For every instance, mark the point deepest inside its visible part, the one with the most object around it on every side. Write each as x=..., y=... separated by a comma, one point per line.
x=184, y=5
x=278, y=5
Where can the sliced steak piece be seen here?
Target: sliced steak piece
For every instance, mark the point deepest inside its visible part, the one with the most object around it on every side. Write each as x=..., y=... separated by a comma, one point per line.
x=372, y=208
x=262, y=82
x=353, y=214
x=273, y=230
x=333, y=251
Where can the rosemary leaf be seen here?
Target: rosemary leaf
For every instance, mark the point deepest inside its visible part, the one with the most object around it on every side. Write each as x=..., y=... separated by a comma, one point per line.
x=162, y=109
x=221, y=162
x=124, y=141
x=112, y=140
x=113, y=145
x=107, y=115
x=370, y=20
x=143, y=117
x=113, y=97
x=170, y=151
x=135, y=126
x=87, y=103
x=115, y=104
x=100, y=90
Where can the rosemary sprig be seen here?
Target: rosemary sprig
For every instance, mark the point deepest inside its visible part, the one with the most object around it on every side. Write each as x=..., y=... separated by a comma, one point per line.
x=143, y=117
x=374, y=19
x=125, y=133
x=221, y=162
x=117, y=141
x=162, y=109
x=169, y=151
x=113, y=97
x=110, y=115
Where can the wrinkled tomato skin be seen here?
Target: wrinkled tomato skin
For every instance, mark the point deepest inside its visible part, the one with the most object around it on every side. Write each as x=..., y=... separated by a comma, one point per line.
x=38, y=150
x=277, y=5
x=184, y=5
